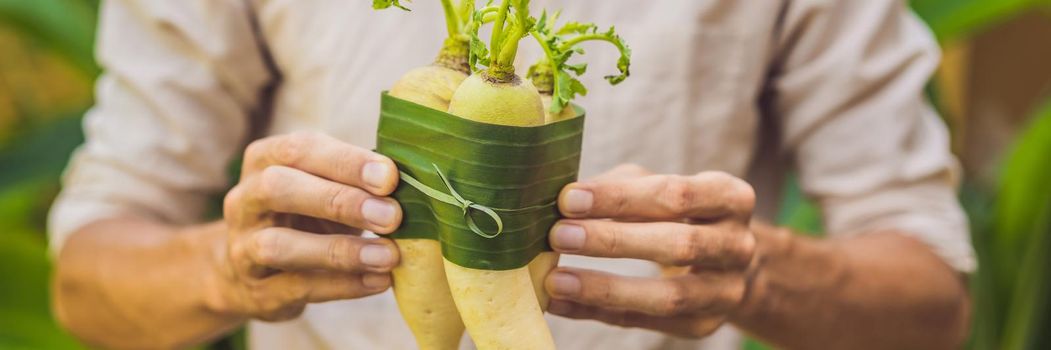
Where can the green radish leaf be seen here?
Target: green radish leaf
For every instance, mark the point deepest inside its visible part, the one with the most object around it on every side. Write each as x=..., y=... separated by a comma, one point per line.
x=577, y=87
x=576, y=28
x=577, y=69
x=467, y=9
x=562, y=94
x=623, y=65
x=547, y=23
x=479, y=52
x=383, y=4
x=567, y=88
x=559, y=46
x=541, y=23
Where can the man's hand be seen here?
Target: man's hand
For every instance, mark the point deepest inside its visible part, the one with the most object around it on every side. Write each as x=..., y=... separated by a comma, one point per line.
x=294, y=189
x=289, y=237
x=696, y=225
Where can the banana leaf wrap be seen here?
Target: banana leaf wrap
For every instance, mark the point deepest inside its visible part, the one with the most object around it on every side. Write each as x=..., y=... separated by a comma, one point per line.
x=517, y=172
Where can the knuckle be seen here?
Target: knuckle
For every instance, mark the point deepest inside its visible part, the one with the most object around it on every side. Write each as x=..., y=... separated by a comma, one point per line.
x=236, y=251
x=676, y=300
x=232, y=201
x=742, y=197
x=611, y=242
x=267, y=247
x=738, y=196
x=270, y=182
x=734, y=292
x=297, y=296
x=617, y=198
x=257, y=149
x=339, y=200
x=746, y=249
x=598, y=290
x=677, y=195
x=340, y=250
x=688, y=249
x=292, y=148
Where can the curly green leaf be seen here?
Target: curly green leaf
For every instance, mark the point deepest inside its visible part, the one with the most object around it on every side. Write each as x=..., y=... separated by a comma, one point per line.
x=559, y=46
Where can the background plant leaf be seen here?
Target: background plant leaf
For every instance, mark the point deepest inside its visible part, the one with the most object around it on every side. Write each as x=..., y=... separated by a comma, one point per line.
x=1023, y=245
x=951, y=19
x=66, y=26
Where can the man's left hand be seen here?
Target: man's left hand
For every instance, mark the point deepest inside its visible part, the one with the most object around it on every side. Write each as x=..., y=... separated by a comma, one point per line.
x=697, y=226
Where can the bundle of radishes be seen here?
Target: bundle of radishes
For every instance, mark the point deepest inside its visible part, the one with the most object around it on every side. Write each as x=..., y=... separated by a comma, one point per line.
x=439, y=286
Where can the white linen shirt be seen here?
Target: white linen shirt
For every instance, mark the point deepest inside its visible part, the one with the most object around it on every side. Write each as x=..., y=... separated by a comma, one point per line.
x=831, y=90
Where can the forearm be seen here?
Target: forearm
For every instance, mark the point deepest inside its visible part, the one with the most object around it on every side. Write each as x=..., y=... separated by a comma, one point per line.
x=880, y=290
x=132, y=283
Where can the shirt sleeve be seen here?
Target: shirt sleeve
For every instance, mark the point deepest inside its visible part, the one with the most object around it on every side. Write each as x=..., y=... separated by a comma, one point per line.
x=868, y=147
x=181, y=80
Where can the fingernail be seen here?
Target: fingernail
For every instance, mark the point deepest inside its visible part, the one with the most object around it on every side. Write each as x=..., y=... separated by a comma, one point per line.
x=376, y=255
x=375, y=280
x=378, y=212
x=578, y=201
x=375, y=174
x=565, y=284
x=568, y=237
x=558, y=307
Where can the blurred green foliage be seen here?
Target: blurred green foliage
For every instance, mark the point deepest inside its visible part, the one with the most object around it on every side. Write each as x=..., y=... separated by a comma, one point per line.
x=1015, y=278
x=66, y=26
x=31, y=162
x=1010, y=225
x=952, y=19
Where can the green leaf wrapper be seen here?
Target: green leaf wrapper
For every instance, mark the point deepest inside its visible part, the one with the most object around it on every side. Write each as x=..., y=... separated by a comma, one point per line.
x=516, y=171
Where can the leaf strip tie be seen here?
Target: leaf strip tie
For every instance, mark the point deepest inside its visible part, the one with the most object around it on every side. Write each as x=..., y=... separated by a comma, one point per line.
x=455, y=199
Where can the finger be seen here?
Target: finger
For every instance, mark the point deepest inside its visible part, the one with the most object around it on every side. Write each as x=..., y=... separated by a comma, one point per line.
x=679, y=244
x=287, y=190
x=683, y=326
x=682, y=295
x=291, y=250
x=324, y=156
x=283, y=296
x=708, y=195
x=316, y=287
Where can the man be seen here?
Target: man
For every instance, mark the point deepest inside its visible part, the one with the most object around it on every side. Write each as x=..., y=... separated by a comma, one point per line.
x=721, y=91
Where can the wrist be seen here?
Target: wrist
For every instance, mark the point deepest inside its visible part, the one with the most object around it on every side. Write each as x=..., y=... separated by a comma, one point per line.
x=771, y=243
x=207, y=243
x=787, y=266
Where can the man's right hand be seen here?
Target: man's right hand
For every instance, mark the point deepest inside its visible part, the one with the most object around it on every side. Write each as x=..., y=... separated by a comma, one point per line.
x=294, y=223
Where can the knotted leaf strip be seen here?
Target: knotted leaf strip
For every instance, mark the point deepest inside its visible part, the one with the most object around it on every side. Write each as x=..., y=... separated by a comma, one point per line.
x=487, y=192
